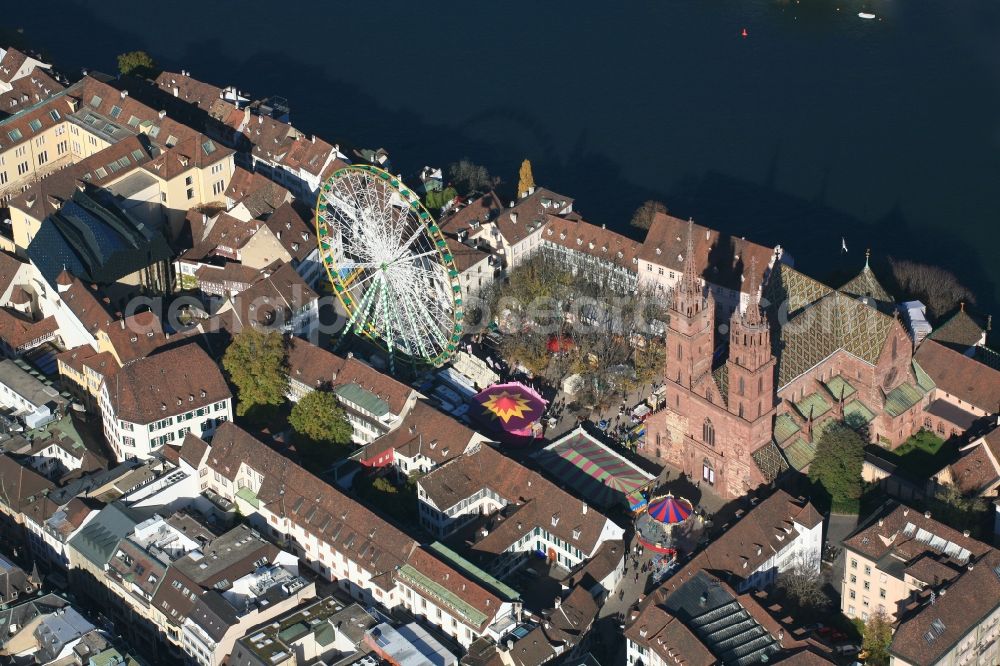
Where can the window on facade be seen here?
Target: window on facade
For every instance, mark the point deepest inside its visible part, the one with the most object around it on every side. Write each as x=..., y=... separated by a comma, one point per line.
x=708, y=432
x=854, y=563
x=868, y=585
x=190, y=193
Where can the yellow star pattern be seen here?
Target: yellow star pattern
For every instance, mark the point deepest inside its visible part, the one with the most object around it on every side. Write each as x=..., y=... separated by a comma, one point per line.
x=507, y=405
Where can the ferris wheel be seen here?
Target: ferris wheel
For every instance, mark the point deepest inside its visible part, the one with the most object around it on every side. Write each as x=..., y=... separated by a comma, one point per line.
x=389, y=264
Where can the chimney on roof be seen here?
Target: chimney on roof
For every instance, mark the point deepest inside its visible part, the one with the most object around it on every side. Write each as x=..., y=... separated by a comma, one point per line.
x=124, y=94
x=162, y=114
x=583, y=508
x=312, y=138
x=927, y=514
x=966, y=533
x=881, y=521
x=513, y=218
x=122, y=322
x=557, y=603
x=31, y=199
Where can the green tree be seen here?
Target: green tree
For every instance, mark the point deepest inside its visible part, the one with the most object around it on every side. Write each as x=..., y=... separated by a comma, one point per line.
x=319, y=418
x=136, y=62
x=435, y=200
x=525, y=179
x=644, y=214
x=837, y=466
x=255, y=362
x=877, y=639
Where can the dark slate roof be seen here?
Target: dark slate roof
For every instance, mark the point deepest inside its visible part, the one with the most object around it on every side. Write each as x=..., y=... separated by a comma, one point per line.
x=960, y=332
x=717, y=618
x=214, y=614
x=94, y=240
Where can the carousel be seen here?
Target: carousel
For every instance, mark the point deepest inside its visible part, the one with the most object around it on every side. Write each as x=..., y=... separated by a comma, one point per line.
x=512, y=410
x=668, y=526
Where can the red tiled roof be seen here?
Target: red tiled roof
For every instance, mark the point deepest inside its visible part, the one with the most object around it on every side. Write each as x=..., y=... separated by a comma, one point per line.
x=425, y=431
x=542, y=502
x=136, y=336
x=9, y=266
x=17, y=330
x=668, y=638
x=965, y=378
x=27, y=90
x=581, y=236
x=933, y=630
x=271, y=300
x=719, y=259
x=470, y=592
x=231, y=272
x=317, y=367
x=292, y=232
x=877, y=538
x=10, y=63
x=201, y=94
x=480, y=211
x=310, y=502
x=515, y=224
x=975, y=471
x=172, y=382
x=258, y=193
x=44, y=196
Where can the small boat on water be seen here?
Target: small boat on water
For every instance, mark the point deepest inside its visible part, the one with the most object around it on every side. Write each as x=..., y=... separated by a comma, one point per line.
x=866, y=15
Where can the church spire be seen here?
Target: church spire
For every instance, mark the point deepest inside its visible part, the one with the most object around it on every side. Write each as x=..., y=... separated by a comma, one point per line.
x=688, y=295
x=690, y=281
x=753, y=316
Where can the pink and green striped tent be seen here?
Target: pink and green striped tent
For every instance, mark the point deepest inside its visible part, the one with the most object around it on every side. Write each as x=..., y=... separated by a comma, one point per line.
x=596, y=472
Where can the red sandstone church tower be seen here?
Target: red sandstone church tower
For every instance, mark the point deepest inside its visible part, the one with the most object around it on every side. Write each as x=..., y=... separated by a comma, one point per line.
x=714, y=419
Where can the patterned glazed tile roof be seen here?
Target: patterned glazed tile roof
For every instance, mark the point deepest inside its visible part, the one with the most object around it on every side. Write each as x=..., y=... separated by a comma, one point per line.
x=721, y=376
x=769, y=461
x=865, y=284
x=798, y=290
x=816, y=321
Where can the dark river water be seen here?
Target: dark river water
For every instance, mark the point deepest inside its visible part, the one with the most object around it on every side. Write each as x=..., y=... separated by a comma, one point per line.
x=815, y=126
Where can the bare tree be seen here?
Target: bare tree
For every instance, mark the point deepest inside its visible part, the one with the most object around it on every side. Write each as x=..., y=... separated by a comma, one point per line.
x=470, y=177
x=938, y=288
x=803, y=587
x=644, y=214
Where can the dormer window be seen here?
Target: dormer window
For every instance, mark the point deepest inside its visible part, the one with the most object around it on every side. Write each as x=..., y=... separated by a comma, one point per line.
x=576, y=533
x=555, y=519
